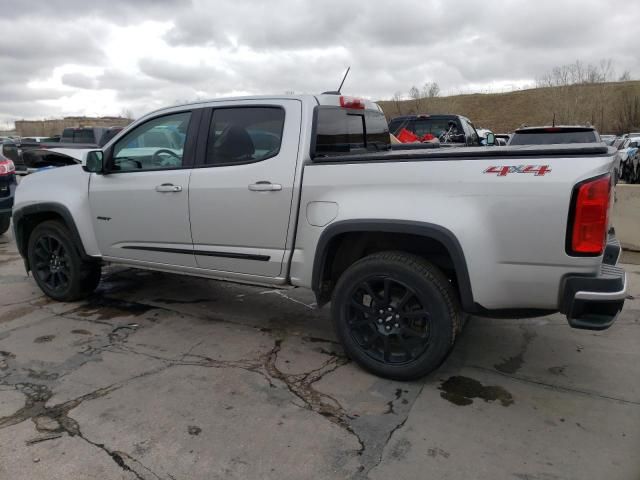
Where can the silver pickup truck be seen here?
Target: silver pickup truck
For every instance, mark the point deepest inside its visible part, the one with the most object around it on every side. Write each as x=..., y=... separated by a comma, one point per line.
x=306, y=191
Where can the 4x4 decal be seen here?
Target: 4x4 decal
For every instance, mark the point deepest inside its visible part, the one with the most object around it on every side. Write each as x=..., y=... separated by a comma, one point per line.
x=504, y=170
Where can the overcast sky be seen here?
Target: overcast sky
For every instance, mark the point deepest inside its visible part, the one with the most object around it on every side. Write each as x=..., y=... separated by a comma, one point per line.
x=68, y=57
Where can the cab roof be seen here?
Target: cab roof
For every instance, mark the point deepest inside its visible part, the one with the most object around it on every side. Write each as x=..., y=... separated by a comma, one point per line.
x=328, y=99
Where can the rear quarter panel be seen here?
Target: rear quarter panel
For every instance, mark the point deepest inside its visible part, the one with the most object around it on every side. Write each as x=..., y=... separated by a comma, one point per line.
x=512, y=228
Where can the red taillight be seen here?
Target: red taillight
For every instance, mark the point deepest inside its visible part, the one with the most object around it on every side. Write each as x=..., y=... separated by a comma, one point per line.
x=590, y=216
x=352, y=102
x=7, y=167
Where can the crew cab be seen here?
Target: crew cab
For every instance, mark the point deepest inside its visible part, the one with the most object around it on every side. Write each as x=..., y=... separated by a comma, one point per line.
x=304, y=191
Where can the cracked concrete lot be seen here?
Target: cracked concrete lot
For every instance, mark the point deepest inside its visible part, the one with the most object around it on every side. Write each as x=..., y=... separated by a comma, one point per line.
x=165, y=377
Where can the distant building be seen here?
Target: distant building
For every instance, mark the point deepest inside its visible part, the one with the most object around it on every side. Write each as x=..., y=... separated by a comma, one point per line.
x=48, y=128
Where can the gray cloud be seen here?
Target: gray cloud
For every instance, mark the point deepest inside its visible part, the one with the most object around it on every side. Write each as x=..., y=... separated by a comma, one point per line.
x=79, y=80
x=211, y=49
x=116, y=10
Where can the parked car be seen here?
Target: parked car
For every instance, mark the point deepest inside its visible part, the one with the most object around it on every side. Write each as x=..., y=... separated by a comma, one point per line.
x=9, y=149
x=483, y=134
x=403, y=244
x=73, y=144
x=608, y=139
x=629, y=157
x=554, y=135
x=450, y=130
x=502, y=139
x=7, y=191
x=98, y=136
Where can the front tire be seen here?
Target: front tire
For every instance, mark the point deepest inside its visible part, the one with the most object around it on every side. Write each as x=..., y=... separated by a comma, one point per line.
x=5, y=221
x=58, y=269
x=396, y=315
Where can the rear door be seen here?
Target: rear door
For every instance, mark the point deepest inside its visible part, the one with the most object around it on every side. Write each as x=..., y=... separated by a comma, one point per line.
x=241, y=191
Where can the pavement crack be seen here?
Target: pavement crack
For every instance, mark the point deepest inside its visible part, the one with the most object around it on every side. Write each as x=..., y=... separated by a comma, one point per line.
x=301, y=386
x=125, y=461
x=364, y=473
x=53, y=419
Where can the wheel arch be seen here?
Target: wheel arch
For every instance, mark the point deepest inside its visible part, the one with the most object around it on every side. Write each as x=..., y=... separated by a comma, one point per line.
x=26, y=218
x=436, y=235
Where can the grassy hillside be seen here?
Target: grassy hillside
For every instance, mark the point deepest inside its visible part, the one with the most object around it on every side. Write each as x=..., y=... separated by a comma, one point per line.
x=611, y=107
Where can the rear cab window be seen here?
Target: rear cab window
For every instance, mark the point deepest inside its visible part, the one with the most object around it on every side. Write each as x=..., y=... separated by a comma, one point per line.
x=79, y=135
x=342, y=131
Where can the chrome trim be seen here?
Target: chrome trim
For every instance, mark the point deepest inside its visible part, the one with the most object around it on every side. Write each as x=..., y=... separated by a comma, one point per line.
x=605, y=296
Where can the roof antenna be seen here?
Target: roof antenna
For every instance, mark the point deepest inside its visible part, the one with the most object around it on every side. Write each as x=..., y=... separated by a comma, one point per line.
x=337, y=92
x=554, y=119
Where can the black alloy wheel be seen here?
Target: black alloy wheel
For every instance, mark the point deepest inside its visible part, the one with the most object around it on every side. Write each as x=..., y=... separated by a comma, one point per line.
x=51, y=263
x=59, y=268
x=396, y=314
x=388, y=321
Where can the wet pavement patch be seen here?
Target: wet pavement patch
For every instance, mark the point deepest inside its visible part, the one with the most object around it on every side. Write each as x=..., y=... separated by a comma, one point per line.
x=17, y=313
x=44, y=339
x=557, y=370
x=81, y=332
x=171, y=301
x=106, y=308
x=461, y=391
x=513, y=364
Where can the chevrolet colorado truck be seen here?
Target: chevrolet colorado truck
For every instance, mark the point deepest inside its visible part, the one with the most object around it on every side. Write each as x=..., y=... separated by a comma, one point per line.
x=305, y=191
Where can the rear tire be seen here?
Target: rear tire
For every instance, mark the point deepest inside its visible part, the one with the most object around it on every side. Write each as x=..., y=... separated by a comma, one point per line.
x=57, y=266
x=396, y=315
x=5, y=221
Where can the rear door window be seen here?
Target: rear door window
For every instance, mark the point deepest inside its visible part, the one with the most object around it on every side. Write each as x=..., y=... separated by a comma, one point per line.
x=244, y=135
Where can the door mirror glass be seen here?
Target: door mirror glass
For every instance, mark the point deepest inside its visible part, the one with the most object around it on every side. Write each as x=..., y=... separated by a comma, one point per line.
x=491, y=139
x=94, y=163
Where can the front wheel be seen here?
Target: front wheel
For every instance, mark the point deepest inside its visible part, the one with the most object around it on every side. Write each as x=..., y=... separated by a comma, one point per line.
x=58, y=269
x=396, y=315
x=5, y=221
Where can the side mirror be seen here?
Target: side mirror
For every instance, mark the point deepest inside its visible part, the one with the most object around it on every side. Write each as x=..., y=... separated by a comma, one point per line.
x=491, y=139
x=94, y=163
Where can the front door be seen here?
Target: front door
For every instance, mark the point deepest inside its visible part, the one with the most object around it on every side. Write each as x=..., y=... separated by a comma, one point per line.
x=240, y=195
x=140, y=208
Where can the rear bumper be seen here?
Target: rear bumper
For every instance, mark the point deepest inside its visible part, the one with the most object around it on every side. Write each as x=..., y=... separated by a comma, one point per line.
x=593, y=303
